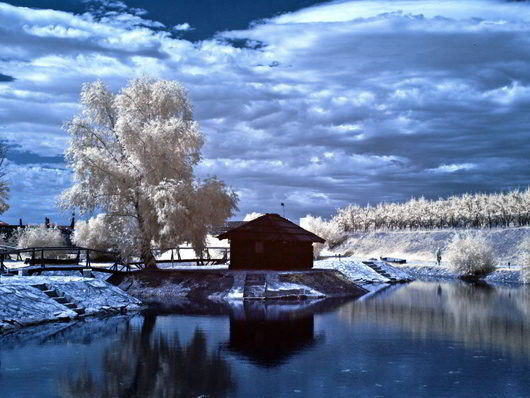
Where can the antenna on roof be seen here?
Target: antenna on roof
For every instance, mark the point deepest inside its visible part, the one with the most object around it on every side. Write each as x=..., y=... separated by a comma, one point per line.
x=283, y=208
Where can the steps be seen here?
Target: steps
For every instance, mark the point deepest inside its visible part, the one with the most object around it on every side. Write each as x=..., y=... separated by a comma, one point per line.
x=379, y=270
x=54, y=294
x=255, y=286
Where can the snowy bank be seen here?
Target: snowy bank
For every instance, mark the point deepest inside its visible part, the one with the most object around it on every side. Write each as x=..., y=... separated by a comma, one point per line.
x=434, y=272
x=371, y=278
x=30, y=300
x=422, y=245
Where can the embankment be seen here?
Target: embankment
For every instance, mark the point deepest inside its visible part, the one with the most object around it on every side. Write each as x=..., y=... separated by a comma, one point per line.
x=165, y=286
x=421, y=245
x=31, y=300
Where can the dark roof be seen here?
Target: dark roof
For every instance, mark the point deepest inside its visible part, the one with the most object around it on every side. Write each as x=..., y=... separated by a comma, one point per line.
x=271, y=227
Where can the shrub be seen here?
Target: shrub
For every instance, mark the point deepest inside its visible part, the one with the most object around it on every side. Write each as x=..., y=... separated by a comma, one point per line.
x=97, y=234
x=525, y=261
x=328, y=230
x=470, y=257
x=40, y=236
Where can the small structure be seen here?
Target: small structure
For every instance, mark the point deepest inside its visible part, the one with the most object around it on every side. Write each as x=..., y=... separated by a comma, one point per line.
x=270, y=242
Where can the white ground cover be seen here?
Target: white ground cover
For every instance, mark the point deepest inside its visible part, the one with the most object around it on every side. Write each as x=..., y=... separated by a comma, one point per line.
x=21, y=304
x=356, y=271
x=422, y=245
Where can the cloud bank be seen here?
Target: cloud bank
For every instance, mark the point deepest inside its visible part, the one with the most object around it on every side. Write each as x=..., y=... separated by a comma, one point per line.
x=349, y=101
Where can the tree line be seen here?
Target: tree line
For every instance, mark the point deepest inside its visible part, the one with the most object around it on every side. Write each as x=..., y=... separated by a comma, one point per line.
x=510, y=209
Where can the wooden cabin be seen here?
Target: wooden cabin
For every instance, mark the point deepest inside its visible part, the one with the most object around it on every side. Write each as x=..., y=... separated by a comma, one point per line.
x=270, y=242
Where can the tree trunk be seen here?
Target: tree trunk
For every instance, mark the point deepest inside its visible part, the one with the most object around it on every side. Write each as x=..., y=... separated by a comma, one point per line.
x=147, y=255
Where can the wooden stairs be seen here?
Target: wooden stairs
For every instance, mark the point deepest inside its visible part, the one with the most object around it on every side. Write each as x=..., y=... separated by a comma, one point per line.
x=255, y=286
x=54, y=294
x=379, y=270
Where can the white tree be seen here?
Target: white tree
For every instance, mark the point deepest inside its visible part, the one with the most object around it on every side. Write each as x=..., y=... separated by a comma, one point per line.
x=470, y=256
x=40, y=236
x=133, y=155
x=4, y=189
x=97, y=233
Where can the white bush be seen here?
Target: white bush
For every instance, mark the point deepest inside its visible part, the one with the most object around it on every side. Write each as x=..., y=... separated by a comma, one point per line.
x=328, y=230
x=96, y=234
x=525, y=262
x=470, y=256
x=40, y=236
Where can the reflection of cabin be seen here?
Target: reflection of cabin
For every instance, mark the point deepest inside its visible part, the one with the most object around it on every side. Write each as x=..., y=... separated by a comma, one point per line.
x=270, y=242
x=269, y=334
x=270, y=343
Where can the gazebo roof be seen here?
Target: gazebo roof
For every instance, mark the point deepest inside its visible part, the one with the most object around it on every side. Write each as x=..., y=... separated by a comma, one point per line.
x=271, y=227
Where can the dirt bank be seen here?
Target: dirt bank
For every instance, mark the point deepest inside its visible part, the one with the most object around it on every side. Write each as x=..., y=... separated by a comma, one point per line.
x=163, y=286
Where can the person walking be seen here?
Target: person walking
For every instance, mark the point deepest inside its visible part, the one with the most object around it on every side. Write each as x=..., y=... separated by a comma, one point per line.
x=439, y=256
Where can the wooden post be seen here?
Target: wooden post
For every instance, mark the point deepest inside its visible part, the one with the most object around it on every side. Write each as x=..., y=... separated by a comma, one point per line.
x=2, y=268
x=172, y=258
x=178, y=253
x=88, y=257
x=33, y=257
x=42, y=258
x=78, y=258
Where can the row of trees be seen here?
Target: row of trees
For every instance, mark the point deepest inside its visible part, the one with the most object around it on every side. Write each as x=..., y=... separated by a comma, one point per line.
x=4, y=189
x=511, y=209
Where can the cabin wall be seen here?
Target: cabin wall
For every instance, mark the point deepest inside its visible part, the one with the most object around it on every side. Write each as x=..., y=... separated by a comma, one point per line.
x=249, y=254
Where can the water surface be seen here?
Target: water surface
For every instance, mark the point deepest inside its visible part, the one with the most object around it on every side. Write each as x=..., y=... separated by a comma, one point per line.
x=421, y=339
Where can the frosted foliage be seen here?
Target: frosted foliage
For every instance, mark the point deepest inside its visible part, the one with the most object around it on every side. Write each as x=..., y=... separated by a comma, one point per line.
x=470, y=256
x=96, y=233
x=464, y=211
x=525, y=263
x=4, y=189
x=252, y=216
x=133, y=155
x=40, y=236
x=328, y=230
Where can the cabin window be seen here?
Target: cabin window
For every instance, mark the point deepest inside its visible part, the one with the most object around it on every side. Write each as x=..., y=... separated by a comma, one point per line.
x=259, y=247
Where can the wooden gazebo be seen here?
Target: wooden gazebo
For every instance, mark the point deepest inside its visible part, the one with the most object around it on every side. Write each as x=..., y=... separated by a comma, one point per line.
x=270, y=242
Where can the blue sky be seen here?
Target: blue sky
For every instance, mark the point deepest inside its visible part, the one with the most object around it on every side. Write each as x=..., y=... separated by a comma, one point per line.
x=314, y=104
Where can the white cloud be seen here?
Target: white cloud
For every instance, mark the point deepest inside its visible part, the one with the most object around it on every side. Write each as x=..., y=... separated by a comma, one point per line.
x=451, y=168
x=383, y=96
x=182, y=27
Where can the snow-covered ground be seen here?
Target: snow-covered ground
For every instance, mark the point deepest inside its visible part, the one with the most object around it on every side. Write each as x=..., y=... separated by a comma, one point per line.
x=431, y=271
x=422, y=245
x=22, y=303
x=358, y=272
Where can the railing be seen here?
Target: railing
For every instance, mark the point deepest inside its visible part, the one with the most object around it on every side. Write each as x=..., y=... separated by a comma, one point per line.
x=36, y=256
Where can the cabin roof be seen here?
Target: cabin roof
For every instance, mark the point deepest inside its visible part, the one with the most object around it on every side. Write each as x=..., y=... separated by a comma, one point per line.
x=271, y=227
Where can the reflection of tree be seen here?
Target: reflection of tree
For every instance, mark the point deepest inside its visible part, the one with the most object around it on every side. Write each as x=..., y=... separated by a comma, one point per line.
x=473, y=314
x=142, y=365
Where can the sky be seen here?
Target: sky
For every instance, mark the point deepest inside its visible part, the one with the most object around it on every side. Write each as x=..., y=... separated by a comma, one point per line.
x=315, y=104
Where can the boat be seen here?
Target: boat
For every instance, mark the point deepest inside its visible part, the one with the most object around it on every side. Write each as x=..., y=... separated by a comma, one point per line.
x=394, y=260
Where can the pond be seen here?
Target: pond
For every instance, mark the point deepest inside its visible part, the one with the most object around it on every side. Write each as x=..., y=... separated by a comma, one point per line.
x=424, y=339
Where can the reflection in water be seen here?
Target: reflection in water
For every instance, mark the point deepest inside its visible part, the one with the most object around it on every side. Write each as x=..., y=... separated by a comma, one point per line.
x=404, y=341
x=473, y=314
x=144, y=364
x=269, y=334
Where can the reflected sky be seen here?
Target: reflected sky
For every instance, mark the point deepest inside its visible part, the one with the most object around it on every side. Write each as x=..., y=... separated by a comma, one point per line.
x=421, y=339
